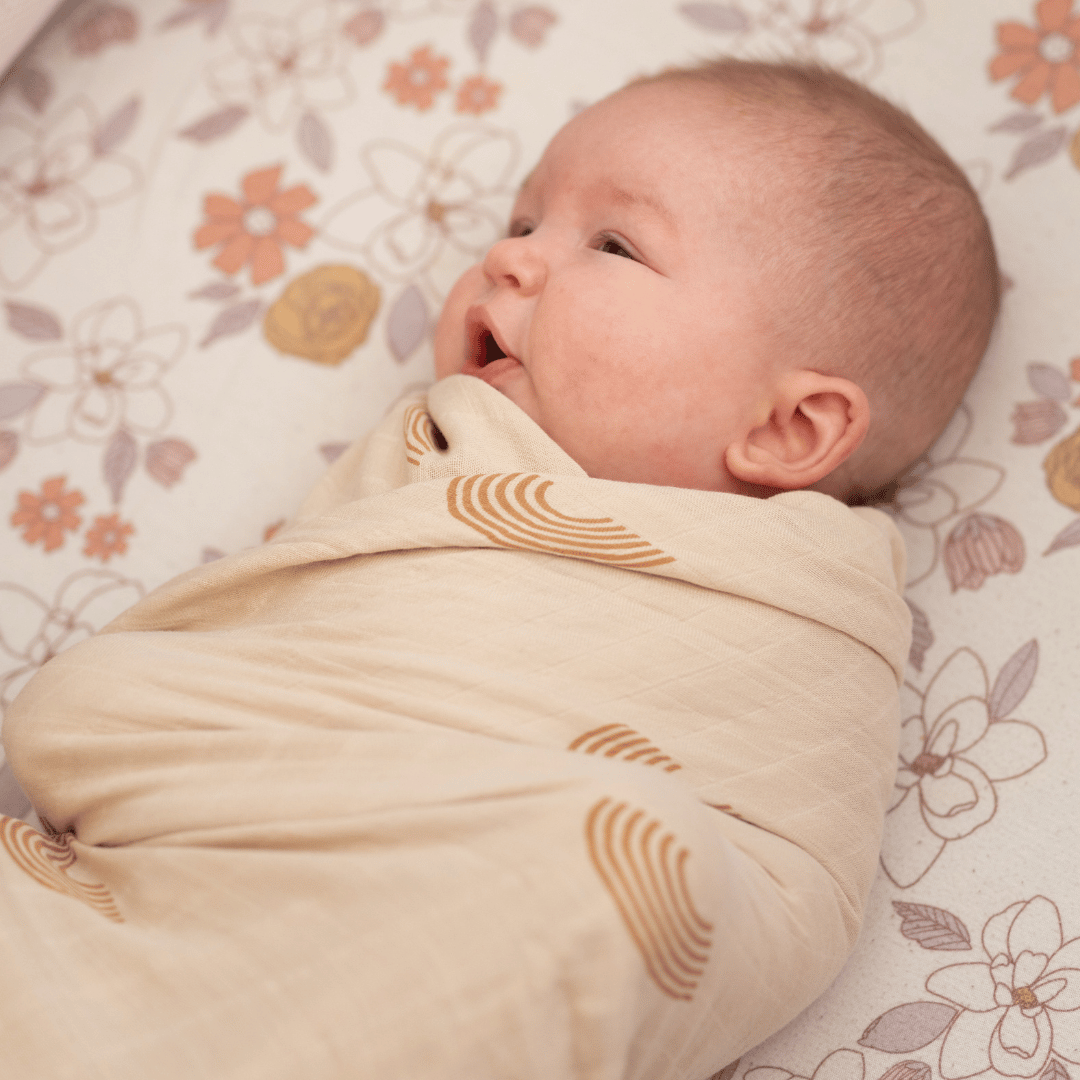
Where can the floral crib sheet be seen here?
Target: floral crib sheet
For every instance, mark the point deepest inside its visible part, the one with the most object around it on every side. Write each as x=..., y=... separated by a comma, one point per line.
x=225, y=230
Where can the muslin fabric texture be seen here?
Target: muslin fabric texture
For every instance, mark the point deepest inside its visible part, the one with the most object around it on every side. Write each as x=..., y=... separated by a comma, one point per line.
x=481, y=768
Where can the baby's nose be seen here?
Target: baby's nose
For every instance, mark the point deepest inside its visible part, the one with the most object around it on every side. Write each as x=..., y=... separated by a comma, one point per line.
x=517, y=263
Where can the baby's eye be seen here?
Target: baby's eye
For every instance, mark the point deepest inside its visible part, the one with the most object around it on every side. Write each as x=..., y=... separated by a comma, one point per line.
x=518, y=228
x=613, y=247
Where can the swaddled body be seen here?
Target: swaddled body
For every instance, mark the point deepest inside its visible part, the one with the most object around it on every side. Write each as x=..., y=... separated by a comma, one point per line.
x=482, y=768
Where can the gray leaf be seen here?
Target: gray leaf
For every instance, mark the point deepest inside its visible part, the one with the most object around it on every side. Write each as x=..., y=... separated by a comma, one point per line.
x=1068, y=537
x=483, y=27
x=727, y=1072
x=1054, y=1071
x=922, y=637
x=16, y=398
x=907, y=1070
x=365, y=26
x=1045, y=379
x=119, y=462
x=36, y=87
x=215, y=290
x=932, y=927
x=1039, y=149
x=1017, y=122
x=116, y=129
x=719, y=18
x=216, y=124
x=331, y=451
x=908, y=1027
x=233, y=320
x=179, y=18
x=35, y=323
x=407, y=323
x=9, y=447
x=1014, y=680
x=315, y=141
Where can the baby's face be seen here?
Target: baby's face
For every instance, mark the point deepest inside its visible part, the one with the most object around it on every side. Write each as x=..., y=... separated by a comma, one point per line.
x=621, y=313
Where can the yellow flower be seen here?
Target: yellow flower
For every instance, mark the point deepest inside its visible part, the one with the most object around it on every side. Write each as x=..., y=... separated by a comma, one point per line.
x=1062, y=467
x=323, y=315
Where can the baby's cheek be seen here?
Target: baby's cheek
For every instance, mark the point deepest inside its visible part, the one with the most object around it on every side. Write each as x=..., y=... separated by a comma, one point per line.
x=450, y=330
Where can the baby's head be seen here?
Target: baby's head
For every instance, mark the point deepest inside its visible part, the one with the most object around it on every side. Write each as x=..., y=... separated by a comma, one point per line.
x=744, y=277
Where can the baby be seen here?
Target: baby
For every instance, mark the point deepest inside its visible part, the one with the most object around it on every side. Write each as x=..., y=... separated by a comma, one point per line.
x=553, y=737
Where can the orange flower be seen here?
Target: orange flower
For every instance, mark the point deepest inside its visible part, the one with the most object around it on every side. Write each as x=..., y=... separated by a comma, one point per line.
x=477, y=95
x=48, y=516
x=254, y=229
x=418, y=81
x=107, y=537
x=1047, y=57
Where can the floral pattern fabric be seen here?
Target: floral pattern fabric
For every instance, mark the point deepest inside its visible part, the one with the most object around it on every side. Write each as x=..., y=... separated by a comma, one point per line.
x=226, y=228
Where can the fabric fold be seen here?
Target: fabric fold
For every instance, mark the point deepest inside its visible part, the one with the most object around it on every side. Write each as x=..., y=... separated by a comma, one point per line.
x=594, y=770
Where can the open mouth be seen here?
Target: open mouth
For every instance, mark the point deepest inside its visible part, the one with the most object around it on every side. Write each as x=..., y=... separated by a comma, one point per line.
x=489, y=349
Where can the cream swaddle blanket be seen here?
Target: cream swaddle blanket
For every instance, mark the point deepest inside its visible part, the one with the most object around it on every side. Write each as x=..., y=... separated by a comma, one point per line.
x=481, y=769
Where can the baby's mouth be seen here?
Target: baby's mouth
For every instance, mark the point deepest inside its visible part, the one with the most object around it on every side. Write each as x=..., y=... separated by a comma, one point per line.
x=489, y=350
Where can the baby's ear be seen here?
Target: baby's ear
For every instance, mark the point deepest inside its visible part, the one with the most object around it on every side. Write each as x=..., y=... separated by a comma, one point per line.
x=817, y=422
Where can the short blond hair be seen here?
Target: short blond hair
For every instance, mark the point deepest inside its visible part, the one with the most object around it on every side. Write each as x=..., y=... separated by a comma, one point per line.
x=893, y=281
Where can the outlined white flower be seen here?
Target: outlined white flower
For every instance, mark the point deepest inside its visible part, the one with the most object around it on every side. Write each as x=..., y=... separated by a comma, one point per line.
x=429, y=214
x=282, y=67
x=1019, y=1007
x=952, y=752
x=33, y=631
x=839, y=1065
x=940, y=486
x=106, y=377
x=845, y=34
x=53, y=177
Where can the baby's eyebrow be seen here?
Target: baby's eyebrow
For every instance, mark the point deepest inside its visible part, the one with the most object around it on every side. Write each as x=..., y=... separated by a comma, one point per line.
x=624, y=197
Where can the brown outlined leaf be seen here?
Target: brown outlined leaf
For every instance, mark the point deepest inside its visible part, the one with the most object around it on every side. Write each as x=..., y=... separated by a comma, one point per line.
x=1054, y=1070
x=9, y=447
x=907, y=1070
x=167, y=459
x=932, y=927
x=407, y=323
x=365, y=26
x=16, y=398
x=1017, y=122
x=719, y=18
x=233, y=320
x=315, y=141
x=908, y=1027
x=1038, y=150
x=922, y=637
x=215, y=125
x=215, y=290
x=119, y=462
x=117, y=127
x=33, y=322
x=483, y=26
x=1014, y=680
x=531, y=24
x=1047, y=381
x=1068, y=537
x=36, y=87
x=331, y=451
